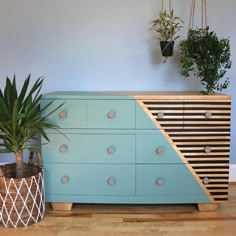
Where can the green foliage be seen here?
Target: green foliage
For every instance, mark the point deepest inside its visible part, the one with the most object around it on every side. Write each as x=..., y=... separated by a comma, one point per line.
x=167, y=26
x=20, y=116
x=207, y=57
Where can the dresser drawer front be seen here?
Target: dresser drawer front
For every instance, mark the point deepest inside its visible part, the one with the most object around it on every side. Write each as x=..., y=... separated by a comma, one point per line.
x=90, y=148
x=166, y=179
x=111, y=114
x=161, y=114
x=154, y=148
x=72, y=114
x=83, y=179
x=207, y=115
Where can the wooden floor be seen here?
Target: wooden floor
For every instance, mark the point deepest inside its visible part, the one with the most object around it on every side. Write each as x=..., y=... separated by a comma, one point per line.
x=136, y=220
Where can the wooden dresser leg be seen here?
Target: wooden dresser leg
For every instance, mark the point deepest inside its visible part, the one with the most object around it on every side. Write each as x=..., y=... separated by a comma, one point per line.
x=61, y=206
x=208, y=207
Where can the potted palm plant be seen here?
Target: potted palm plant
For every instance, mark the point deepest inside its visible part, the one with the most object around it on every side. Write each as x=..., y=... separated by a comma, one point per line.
x=21, y=184
x=167, y=26
x=207, y=56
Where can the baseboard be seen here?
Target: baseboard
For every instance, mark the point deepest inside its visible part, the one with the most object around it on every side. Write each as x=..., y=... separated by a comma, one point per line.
x=232, y=173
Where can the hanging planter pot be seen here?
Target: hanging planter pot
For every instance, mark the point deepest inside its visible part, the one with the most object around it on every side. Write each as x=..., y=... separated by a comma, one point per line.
x=167, y=25
x=22, y=200
x=167, y=48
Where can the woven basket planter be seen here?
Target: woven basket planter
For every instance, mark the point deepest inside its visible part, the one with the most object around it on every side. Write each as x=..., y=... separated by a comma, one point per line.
x=22, y=200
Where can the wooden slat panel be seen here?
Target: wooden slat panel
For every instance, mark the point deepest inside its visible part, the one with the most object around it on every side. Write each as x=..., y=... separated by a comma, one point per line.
x=192, y=127
x=206, y=122
x=202, y=148
x=199, y=132
x=203, y=117
x=207, y=106
x=172, y=122
x=211, y=170
x=213, y=175
x=180, y=112
x=208, y=143
x=218, y=191
x=184, y=132
x=183, y=95
x=169, y=117
x=217, y=185
x=190, y=160
x=200, y=138
x=212, y=165
x=219, y=180
x=163, y=106
x=201, y=111
x=206, y=154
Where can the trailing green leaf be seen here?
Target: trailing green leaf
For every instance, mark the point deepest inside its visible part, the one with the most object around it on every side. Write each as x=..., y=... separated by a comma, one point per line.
x=207, y=57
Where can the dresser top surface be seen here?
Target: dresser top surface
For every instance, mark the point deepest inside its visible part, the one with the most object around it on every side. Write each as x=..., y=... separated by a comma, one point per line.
x=124, y=95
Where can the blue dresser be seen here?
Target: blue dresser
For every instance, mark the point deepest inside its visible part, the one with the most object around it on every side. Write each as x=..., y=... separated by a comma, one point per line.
x=137, y=148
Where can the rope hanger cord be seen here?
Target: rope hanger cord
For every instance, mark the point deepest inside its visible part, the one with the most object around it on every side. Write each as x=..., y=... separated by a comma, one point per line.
x=203, y=14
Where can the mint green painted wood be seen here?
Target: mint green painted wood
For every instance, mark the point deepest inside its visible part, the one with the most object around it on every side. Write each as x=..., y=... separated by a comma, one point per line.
x=89, y=179
x=102, y=131
x=128, y=199
x=176, y=180
x=113, y=114
x=90, y=148
x=154, y=148
x=89, y=95
x=73, y=114
x=112, y=159
x=143, y=121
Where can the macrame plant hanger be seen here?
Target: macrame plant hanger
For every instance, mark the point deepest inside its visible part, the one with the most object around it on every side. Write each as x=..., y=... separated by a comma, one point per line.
x=203, y=14
x=171, y=33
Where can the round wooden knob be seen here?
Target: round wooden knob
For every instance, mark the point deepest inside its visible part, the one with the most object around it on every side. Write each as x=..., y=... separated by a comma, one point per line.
x=160, y=114
x=159, y=150
x=64, y=179
x=63, y=148
x=206, y=180
x=160, y=181
x=207, y=149
x=62, y=114
x=111, y=114
x=111, y=181
x=110, y=150
x=208, y=115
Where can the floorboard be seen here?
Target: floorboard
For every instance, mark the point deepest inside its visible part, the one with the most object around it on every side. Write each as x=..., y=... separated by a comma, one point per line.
x=138, y=220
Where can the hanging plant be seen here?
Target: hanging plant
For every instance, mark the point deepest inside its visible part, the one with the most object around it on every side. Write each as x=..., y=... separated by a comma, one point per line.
x=167, y=26
x=207, y=57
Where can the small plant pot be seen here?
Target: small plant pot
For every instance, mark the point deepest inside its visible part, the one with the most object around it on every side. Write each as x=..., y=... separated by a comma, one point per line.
x=167, y=48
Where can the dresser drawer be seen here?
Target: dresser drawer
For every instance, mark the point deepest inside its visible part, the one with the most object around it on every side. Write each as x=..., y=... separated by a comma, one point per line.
x=154, y=148
x=207, y=115
x=90, y=148
x=73, y=113
x=114, y=114
x=162, y=114
x=83, y=179
x=166, y=179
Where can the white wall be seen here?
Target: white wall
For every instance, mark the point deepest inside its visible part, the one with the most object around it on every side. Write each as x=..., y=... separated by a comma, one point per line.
x=100, y=45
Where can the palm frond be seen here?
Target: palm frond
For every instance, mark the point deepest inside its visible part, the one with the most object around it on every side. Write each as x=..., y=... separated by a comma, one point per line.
x=20, y=117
